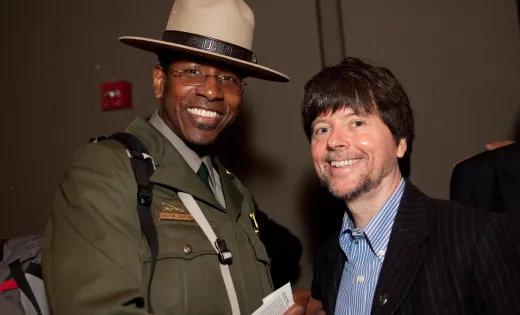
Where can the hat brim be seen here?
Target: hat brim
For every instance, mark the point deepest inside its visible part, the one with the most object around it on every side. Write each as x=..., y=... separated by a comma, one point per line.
x=251, y=69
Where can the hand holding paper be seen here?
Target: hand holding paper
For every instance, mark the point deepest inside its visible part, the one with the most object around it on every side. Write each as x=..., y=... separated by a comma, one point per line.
x=305, y=304
x=277, y=302
x=284, y=302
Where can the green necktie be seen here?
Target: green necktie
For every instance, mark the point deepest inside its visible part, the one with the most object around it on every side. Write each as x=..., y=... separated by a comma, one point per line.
x=203, y=174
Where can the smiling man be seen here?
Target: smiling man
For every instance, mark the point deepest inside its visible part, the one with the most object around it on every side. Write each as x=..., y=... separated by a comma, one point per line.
x=398, y=252
x=97, y=258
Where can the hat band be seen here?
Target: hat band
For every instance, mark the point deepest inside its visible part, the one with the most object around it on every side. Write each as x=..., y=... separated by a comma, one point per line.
x=209, y=44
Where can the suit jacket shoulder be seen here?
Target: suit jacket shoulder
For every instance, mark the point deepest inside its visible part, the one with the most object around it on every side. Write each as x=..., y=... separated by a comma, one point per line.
x=473, y=180
x=508, y=159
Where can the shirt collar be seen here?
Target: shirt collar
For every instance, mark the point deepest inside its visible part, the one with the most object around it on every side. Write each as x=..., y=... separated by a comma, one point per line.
x=378, y=229
x=207, y=159
x=193, y=160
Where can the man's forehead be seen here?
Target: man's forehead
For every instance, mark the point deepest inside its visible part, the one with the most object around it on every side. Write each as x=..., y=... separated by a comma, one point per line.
x=341, y=111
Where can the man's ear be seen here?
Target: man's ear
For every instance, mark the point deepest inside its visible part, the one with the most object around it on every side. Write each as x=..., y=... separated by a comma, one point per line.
x=159, y=80
x=401, y=148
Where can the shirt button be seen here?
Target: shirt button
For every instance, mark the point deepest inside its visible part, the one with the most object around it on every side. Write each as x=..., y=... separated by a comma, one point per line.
x=188, y=249
x=360, y=278
x=381, y=253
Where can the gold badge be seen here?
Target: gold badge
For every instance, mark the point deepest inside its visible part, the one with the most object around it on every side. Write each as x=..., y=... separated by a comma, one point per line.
x=174, y=212
x=230, y=174
x=255, y=224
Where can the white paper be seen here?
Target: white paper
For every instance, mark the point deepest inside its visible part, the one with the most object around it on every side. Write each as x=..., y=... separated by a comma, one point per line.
x=277, y=302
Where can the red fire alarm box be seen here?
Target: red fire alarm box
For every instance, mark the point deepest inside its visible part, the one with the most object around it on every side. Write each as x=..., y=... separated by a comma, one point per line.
x=116, y=95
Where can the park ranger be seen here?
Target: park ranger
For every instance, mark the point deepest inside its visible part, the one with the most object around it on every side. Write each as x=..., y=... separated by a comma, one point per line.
x=96, y=259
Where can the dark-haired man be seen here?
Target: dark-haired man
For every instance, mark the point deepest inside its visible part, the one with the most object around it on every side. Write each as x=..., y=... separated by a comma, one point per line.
x=399, y=251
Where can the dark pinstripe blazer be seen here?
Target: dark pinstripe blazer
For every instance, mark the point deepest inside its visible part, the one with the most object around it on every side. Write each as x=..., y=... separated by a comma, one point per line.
x=442, y=258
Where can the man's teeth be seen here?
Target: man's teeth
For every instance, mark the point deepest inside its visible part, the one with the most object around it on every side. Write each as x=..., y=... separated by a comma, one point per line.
x=203, y=112
x=344, y=163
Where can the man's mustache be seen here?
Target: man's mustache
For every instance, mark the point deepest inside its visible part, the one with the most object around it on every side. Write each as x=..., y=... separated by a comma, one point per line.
x=341, y=155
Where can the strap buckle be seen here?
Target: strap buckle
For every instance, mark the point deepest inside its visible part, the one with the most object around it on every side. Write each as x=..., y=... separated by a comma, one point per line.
x=144, y=195
x=138, y=155
x=224, y=255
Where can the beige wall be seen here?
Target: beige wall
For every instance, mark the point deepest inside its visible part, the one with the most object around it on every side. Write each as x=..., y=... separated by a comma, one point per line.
x=460, y=64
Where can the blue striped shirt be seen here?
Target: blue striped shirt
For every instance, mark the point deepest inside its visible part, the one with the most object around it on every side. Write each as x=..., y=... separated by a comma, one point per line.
x=365, y=252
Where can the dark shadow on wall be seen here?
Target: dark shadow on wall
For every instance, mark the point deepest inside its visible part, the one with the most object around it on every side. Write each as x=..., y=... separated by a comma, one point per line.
x=284, y=249
x=518, y=10
x=322, y=212
x=234, y=149
x=516, y=126
x=405, y=164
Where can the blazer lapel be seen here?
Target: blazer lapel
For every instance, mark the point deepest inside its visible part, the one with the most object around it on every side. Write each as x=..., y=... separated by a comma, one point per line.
x=337, y=259
x=232, y=195
x=405, y=252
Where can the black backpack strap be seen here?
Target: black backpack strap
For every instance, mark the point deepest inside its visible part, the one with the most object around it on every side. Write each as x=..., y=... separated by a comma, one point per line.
x=143, y=167
x=19, y=276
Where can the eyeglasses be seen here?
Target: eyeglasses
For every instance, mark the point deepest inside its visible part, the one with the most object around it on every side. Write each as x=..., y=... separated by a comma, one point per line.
x=227, y=83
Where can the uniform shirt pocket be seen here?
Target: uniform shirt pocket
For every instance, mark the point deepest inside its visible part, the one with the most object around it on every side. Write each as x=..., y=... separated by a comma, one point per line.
x=187, y=271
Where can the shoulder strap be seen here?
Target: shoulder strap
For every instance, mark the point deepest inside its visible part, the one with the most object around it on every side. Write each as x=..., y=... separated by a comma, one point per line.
x=143, y=167
x=19, y=276
x=224, y=255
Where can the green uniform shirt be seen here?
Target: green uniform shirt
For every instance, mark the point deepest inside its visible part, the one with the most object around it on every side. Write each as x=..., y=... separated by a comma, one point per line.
x=96, y=260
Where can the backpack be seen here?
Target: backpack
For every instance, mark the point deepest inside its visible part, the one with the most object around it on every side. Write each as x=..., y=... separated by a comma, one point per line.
x=22, y=291
x=143, y=168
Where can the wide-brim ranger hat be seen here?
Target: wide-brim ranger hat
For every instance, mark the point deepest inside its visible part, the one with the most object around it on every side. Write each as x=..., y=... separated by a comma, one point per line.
x=219, y=30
